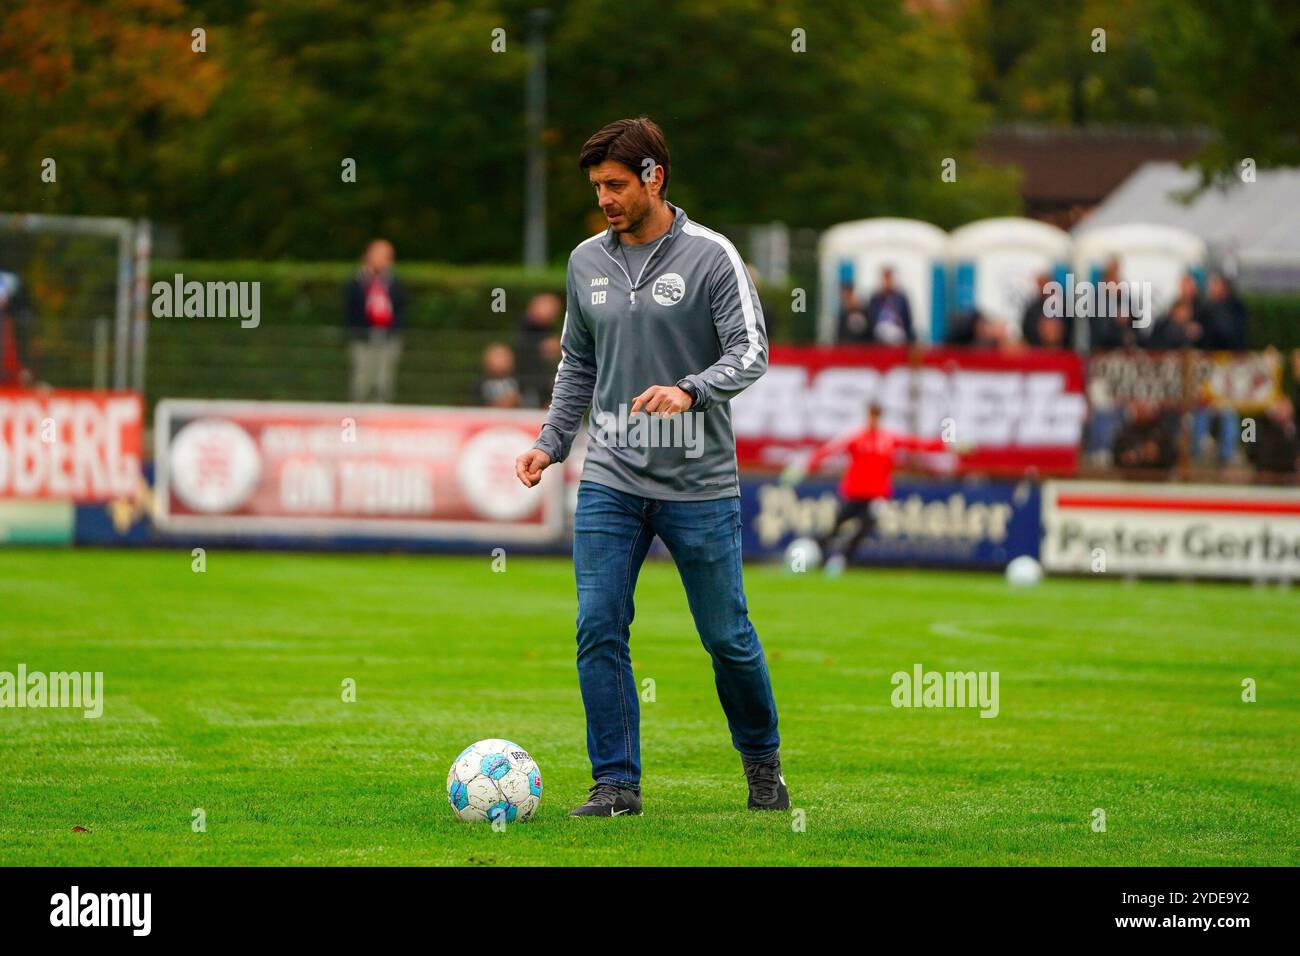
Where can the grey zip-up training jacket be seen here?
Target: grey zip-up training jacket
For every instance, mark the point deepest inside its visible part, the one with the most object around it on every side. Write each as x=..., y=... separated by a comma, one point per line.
x=692, y=314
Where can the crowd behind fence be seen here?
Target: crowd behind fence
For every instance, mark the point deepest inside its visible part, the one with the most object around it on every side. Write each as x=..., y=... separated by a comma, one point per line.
x=1177, y=394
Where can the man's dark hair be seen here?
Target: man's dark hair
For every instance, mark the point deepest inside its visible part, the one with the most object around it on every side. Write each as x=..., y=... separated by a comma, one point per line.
x=630, y=142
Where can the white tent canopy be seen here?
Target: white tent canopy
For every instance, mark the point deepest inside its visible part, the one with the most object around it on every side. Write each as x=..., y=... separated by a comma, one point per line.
x=1251, y=228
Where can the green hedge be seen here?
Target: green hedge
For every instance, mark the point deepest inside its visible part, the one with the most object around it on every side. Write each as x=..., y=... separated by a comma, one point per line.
x=1274, y=320
x=311, y=293
x=299, y=351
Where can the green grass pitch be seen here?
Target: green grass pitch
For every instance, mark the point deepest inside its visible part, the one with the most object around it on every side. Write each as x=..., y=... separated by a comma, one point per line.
x=223, y=692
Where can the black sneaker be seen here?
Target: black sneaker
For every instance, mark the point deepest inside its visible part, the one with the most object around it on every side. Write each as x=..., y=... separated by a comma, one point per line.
x=608, y=800
x=766, y=785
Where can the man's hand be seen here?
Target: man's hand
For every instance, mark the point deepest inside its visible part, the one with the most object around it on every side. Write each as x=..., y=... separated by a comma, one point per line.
x=662, y=400
x=529, y=466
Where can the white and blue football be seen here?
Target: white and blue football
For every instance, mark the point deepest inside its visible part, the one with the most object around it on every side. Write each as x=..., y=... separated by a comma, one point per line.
x=494, y=779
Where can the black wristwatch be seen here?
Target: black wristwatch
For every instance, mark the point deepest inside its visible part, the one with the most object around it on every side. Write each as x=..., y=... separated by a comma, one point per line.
x=686, y=386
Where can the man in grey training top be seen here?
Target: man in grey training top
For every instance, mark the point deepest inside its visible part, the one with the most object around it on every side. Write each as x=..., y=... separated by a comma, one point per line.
x=662, y=328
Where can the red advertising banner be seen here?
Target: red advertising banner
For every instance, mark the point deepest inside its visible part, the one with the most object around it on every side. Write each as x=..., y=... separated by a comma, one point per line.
x=1018, y=412
x=285, y=469
x=70, y=445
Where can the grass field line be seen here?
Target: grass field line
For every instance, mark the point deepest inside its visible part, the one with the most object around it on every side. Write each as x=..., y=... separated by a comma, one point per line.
x=961, y=632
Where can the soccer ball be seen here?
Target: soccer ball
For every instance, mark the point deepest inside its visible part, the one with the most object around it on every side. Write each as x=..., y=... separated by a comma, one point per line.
x=494, y=779
x=1024, y=572
x=803, y=554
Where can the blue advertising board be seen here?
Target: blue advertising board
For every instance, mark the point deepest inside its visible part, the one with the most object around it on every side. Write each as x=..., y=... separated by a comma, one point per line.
x=945, y=522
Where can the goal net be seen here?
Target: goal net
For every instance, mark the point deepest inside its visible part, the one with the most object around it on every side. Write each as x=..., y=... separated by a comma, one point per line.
x=72, y=301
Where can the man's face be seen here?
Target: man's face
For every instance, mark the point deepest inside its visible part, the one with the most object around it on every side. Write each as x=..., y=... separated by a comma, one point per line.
x=498, y=361
x=379, y=256
x=1051, y=330
x=544, y=310
x=621, y=195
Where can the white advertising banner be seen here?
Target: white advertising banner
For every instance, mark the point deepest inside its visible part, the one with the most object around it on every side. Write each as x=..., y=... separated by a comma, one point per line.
x=1219, y=531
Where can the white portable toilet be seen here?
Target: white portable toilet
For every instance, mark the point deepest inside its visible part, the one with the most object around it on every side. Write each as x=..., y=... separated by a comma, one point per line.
x=996, y=263
x=1160, y=255
x=857, y=251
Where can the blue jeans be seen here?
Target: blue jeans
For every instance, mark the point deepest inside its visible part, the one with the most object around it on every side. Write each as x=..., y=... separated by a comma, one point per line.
x=611, y=536
x=1229, y=427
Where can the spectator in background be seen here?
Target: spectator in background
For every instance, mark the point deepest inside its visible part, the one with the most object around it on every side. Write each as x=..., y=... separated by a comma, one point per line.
x=1107, y=331
x=498, y=387
x=1177, y=328
x=977, y=330
x=1049, y=332
x=1223, y=323
x=551, y=355
x=853, y=327
x=1184, y=325
x=961, y=328
x=1227, y=325
x=1111, y=332
x=1276, y=446
x=889, y=317
x=1190, y=292
x=539, y=325
x=375, y=307
x=1147, y=441
x=15, y=338
x=1040, y=330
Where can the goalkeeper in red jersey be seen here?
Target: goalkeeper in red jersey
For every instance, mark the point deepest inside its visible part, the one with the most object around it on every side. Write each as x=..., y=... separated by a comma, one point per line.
x=868, y=478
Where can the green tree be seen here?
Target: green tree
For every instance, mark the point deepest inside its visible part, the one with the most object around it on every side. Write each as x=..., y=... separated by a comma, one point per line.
x=94, y=86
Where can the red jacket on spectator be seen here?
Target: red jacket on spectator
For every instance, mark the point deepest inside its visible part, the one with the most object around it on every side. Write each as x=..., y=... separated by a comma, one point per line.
x=871, y=459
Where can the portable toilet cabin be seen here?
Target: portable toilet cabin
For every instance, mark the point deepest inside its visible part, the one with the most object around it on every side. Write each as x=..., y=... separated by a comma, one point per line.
x=1160, y=255
x=856, y=253
x=995, y=265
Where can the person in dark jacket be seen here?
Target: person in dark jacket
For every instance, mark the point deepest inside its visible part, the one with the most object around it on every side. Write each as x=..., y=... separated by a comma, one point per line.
x=1110, y=329
x=1276, y=446
x=852, y=327
x=1148, y=440
x=1038, y=328
x=1226, y=322
x=375, y=308
x=1177, y=329
x=535, y=352
x=889, y=317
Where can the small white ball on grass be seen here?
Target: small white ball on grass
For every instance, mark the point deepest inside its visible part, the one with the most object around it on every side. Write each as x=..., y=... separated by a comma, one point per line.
x=802, y=554
x=1024, y=572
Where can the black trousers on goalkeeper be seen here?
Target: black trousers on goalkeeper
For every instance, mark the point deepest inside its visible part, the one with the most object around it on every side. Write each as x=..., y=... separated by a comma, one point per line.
x=857, y=512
